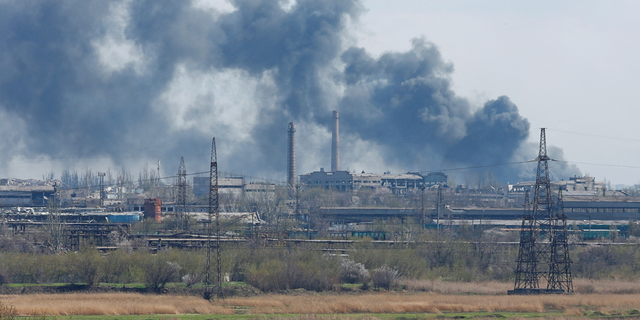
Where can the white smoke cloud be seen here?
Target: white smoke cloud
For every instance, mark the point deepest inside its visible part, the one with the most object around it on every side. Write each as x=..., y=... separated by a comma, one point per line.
x=115, y=51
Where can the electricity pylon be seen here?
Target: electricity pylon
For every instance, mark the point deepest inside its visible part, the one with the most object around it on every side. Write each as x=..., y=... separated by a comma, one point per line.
x=544, y=250
x=214, y=212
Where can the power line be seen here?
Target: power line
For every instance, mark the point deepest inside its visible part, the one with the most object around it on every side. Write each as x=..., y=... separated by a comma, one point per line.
x=280, y=182
x=480, y=167
x=132, y=182
x=599, y=164
x=594, y=135
x=530, y=161
x=228, y=174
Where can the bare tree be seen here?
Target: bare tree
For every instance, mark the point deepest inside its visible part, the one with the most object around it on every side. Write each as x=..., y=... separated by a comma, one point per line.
x=123, y=180
x=48, y=176
x=70, y=178
x=109, y=177
x=147, y=179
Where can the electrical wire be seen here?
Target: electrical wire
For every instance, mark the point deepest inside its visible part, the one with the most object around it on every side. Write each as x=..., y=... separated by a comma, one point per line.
x=115, y=184
x=594, y=135
x=479, y=167
x=598, y=164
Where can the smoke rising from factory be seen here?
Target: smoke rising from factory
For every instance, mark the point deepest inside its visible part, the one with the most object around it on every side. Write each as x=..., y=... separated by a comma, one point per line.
x=83, y=79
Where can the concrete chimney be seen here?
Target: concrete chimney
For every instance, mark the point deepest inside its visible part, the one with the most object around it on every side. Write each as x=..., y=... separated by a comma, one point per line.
x=335, y=144
x=291, y=156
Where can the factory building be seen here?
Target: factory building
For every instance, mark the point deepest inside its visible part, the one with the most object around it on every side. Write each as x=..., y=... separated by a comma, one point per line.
x=341, y=180
x=259, y=190
x=12, y=196
x=584, y=186
x=232, y=186
x=584, y=183
x=401, y=183
x=610, y=209
x=346, y=181
x=433, y=178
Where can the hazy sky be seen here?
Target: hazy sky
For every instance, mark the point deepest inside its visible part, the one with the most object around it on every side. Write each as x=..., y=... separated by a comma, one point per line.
x=571, y=66
x=420, y=85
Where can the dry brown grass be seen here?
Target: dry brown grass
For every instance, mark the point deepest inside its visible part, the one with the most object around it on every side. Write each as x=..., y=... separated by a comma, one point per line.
x=433, y=303
x=581, y=286
x=110, y=304
x=478, y=287
x=606, y=286
x=317, y=304
x=382, y=303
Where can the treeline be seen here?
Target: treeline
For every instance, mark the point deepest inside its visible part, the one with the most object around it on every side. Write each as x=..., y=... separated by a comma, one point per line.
x=442, y=256
x=147, y=178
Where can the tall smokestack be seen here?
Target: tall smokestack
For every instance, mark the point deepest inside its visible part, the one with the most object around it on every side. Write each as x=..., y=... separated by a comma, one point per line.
x=335, y=144
x=291, y=156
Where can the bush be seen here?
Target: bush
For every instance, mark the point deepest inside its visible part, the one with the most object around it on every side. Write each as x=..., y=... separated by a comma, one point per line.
x=190, y=279
x=4, y=278
x=159, y=271
x=384, y=277
x=294, y=271
x=353, y=272
x=88, y=265
x=7, y=312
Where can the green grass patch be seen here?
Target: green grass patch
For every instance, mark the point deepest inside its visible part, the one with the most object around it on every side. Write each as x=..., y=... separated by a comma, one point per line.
x=120, y=285
x=14, y=285
x=234, y=284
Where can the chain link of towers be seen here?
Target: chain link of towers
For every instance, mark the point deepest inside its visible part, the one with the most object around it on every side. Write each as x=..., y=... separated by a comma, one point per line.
x=543, y=254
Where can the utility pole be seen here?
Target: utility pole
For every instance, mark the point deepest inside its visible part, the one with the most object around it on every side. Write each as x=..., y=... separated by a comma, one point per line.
x=543, y=218
x=438, y=205
x=297, y=201
x=422, y=217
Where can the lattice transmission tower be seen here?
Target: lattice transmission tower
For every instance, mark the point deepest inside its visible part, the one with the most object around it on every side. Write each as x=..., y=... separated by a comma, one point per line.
x=214, y=213
x=181, y=195
x=544, y=250
x=102, y=194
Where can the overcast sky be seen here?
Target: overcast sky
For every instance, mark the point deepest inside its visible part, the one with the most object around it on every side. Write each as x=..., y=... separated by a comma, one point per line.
x=420, y=85
x=571, y=66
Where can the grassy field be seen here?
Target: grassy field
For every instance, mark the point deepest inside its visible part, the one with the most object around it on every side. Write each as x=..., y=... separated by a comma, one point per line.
x=378, y=305
x=432, y=299
x=499, y=288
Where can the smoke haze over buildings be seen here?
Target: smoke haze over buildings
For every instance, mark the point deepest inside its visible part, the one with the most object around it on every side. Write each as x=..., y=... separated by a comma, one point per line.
x=158, y=79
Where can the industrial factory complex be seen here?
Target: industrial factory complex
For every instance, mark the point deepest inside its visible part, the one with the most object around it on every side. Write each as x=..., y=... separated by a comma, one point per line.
x=428, y=198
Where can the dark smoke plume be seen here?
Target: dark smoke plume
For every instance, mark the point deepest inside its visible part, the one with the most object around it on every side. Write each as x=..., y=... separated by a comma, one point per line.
x=157, y=79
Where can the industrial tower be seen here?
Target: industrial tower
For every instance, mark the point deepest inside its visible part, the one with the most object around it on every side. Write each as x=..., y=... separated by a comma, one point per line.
x=291, y=156
x=335, y=143
x=544, y=251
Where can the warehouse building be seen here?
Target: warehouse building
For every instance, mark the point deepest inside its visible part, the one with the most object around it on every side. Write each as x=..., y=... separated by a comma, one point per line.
x=347, y=181
x=13, y=196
